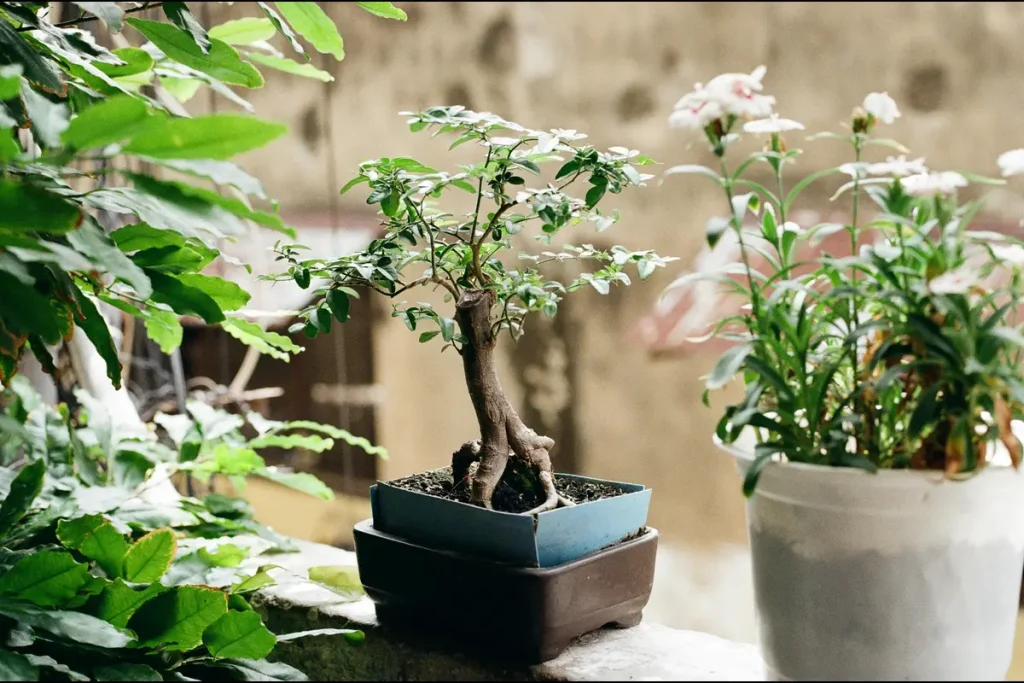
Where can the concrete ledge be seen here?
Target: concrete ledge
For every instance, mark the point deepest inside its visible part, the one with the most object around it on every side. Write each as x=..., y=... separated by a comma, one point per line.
x=648, y=652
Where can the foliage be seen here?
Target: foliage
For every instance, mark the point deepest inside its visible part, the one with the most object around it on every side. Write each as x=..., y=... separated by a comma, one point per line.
x=98, y=571
x=902, y=352
x=102, y=123
x=462, y=253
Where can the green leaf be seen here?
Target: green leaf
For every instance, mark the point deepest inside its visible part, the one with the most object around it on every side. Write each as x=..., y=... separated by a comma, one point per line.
x=595, y=194
x=22, y=493
x=221, y=62
x=226, y=555
x=259, y=670
x=183, y=299
x=136, y=61
x=107, y=12
x=94, y=243
x=383, y=9
x=300, y=481
x=270, y=343
x=310, y=22
x=39, y=71
x=338, y=302
x=49, y=119
x=255, y=582
x=10, y=81
x=228, y=295
x=125, y=672
x=110, y=121
x=342, y=580
x=73, y=626
x=239, y=634
x=181, y=89
x=26, y=207
x=118, y=601
x=47, y=578
x=14, y=667
x=244, y=31
x=220, y=172
x=309, y=442
x=176, y=619
x=218, y=136
x=290, y=66
x=141, y=236
x=47, y=662
x=427, y=336
x=95, y=328
x=282, y=27
x=149, y=558
x=179, y=15
x=97, y=539
x=728, y=365
x=348, y=633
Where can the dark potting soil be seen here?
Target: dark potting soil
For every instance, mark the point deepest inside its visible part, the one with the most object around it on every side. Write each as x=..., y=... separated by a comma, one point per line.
x=516, y=492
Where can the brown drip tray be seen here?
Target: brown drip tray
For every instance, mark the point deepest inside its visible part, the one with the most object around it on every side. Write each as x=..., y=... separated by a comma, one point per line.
x=522, y=614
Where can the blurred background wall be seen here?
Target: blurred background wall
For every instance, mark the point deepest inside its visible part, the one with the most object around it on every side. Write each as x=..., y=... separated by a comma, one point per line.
x=590, y=379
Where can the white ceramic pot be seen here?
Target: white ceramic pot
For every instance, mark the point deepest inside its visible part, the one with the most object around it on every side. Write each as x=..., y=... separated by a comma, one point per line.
x=895, y=576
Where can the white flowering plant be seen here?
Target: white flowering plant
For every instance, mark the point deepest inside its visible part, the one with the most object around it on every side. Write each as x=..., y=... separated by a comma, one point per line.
x=901, y=352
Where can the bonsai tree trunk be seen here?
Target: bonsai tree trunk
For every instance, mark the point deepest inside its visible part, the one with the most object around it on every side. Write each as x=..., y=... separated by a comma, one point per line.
x=502, y=433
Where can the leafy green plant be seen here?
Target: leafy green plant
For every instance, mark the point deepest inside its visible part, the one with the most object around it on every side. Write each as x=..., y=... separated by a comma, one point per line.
x=100, y=580
x=902, y=352
x=425, y=245
x=78, y=124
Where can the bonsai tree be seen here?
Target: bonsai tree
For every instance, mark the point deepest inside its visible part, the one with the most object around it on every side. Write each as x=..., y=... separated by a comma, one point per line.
x=425, y=245
x=902, y=351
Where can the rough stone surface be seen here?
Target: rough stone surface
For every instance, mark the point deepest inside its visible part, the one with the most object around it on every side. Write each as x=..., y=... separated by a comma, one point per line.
x=645, y=652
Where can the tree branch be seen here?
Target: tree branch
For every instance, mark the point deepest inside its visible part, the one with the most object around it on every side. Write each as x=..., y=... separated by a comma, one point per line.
x=86, y=20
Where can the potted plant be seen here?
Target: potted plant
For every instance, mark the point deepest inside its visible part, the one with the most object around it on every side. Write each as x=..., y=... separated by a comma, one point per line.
x=556, y=555
x=879, y=385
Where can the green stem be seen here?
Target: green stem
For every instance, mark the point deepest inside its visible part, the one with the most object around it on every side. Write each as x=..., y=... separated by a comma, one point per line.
x=737, y=224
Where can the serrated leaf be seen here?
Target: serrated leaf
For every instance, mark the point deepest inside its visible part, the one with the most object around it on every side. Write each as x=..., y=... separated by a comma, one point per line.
x=290, y=66
x=310, y=22
x=40, y=71
x=47, y=578
x=176, y=619
x=221, y=62
x=309, y=442
x=184, y=299
x=300, y=481
x=383, y=9
x=107, y=12
x=149, y=558
x=164, y=328
x=218, y=136
x=244, y=31
x=118, y=601
x=22, y=493
x=97, y=539
x=239, y=634
x=110, y=121
x=270, y=343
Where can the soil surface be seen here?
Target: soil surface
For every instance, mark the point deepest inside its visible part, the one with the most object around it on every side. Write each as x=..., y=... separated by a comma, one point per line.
x=518, y=490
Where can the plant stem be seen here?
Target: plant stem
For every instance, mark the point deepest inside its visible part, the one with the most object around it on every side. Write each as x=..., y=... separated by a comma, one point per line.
x=86, y=20
x=737, y=224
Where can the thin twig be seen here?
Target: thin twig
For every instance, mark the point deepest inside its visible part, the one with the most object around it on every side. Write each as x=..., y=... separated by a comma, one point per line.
x=86, y=20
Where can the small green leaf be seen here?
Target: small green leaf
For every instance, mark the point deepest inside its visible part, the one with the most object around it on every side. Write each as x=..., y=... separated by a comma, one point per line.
x=118, y=601
x=427, y=336
x=95, y=328
x=110, y=121
x=179, y=15
x=97, y=539
x=149, y=558
x=282, y=27
x=176, y=619
x=228, y=295
x=221, y=62
x=164, y=328
x=290, y=66
x=226, y=555
x=270, y=343
x=244, y=31
x=383, y=9
x=183, y=299
x=22, y=493
x=47, y=578
x=136, y=61
x=239, y=634
x=728, y=365
x=259, y=580
x=218, y=136
x=313, y=24
x=342, y=580
x=338, y=302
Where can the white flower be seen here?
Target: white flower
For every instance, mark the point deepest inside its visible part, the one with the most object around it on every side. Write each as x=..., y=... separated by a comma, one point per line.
x=882, y=107
x=1012, y=162
x=624, y=152
x=854, y=170
x=1012, y=253
x=929, y=184
x=898, y=166
x=772, y=124
x=726, y=94
x=959, y=281
x=790, y=226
